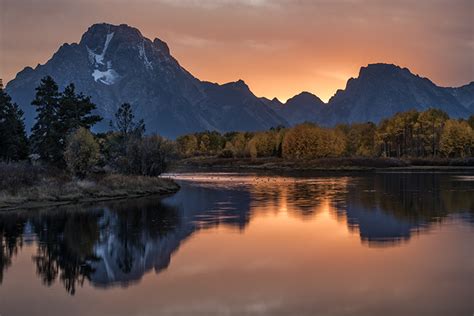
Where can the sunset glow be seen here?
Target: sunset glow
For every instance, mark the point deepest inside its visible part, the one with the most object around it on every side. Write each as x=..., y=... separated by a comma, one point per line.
x=279, y=48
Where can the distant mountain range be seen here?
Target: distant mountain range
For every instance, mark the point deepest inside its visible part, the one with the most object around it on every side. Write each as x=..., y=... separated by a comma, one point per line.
x=300, y=108
x=382, y=90
x=116, y=64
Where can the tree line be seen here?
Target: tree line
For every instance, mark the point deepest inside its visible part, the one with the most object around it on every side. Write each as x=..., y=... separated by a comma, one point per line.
x=61, y=136
x=411, y=134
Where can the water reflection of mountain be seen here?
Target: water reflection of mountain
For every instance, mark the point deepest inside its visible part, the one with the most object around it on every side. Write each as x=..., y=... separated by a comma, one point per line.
x=388, y=208
x=130, y=245
x=117, y=243
x=383, y=208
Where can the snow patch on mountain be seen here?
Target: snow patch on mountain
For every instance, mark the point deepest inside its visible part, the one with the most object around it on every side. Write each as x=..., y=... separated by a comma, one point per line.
x=108, y=77
x=143, y=56
x=98, y=59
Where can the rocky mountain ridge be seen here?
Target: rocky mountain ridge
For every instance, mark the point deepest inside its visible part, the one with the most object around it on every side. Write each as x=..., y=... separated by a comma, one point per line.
x=116, y=64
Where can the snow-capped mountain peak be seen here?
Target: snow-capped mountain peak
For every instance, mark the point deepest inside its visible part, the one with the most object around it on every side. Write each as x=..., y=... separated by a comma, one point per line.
x=116, y=64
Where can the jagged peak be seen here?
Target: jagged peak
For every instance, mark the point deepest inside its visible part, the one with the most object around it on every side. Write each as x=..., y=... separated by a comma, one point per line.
x=239, y=84
x=106, y=28
x=27, y=69
x=272, y=102
x=161, y=45
x=378, y=69
x=97, y=34
x=94, y=37
x=304, y=97
x=378, y=73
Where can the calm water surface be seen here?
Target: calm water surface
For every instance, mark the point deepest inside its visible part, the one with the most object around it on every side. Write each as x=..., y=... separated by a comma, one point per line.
x=246, y=244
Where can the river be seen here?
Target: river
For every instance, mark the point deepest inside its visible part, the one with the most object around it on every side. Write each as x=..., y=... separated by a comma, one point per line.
x=250, y=244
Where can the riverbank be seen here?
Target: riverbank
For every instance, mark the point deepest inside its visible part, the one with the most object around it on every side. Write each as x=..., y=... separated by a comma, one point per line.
x=55, y=191
x=323, y=164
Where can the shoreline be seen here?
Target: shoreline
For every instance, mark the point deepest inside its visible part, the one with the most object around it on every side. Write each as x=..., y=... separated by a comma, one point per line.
x=30, y=205
x=56, y=194
x=323, y=165
x=52, y=192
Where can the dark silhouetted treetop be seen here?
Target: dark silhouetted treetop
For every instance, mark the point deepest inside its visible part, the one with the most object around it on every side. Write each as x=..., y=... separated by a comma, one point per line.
x=13, y=140
x=125, y=122
x=59, y=114
x=45, y=137
x=75, y=110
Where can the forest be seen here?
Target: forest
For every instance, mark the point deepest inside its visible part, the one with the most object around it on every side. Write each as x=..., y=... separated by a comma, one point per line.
x=412, y=134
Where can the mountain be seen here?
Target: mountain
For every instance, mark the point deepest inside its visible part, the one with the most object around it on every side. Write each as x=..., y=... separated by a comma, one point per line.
x=465, y=95
x=304, y=107
x=382, y=90
x=116, y=64
x=234, y=107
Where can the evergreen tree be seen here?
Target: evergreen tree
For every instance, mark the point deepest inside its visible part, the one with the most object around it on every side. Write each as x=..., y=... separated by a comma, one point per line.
x=13, y=140
x=46, y=137
x=59, y=114
x=74, y=111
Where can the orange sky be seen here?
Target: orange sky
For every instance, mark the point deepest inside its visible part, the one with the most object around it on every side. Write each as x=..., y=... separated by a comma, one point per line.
x=279, y=47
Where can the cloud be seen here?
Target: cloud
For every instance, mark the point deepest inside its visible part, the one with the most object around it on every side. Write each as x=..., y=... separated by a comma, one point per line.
x=194, y=41
x=212, y=4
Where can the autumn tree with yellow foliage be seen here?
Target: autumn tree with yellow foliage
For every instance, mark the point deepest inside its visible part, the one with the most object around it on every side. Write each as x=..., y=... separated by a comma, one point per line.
x=409, y=134
x=457, y=139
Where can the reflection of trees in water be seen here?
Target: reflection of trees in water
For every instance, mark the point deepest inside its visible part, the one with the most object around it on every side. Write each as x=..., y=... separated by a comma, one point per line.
x=302, y=197
x=11, y=239
x=389, y=208
x=384, y=209
x=421, y=197
x=118, y=242
x=307, y=198
x=206, y=206
x=65, y=246
x=67, y=238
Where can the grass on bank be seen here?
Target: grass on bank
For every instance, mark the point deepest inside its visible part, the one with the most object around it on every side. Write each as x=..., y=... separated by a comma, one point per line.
x=23, y=185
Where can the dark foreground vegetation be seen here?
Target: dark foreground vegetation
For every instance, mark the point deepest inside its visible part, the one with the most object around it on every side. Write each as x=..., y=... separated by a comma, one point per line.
x=27, y=186
x=64, y=162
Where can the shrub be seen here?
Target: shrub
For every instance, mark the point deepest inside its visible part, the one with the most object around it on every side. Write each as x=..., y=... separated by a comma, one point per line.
x=14, y=176
x=82, y=152
x=148, y=156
